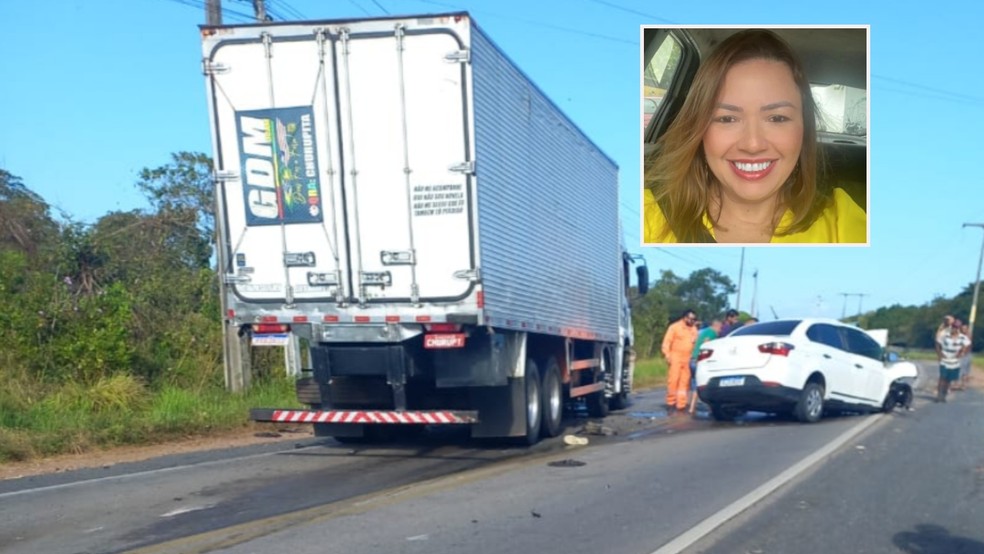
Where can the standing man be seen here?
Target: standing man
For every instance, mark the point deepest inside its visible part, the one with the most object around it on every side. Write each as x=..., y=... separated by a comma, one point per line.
x=678, y=344
x=944, y=327
x=950, y=347
x=710, y=332
x=730, y=323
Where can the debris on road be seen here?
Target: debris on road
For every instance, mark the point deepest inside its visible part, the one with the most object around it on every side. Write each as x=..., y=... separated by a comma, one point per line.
x=567, y=463
x=596, y=428
x=574, y=440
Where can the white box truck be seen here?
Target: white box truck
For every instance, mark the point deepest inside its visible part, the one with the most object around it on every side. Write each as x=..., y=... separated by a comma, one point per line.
x=397, y=193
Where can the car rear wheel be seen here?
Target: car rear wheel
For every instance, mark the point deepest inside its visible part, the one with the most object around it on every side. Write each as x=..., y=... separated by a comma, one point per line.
x=809, y=409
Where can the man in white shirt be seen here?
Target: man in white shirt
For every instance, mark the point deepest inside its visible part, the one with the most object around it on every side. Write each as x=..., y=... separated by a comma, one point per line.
x=951, y=345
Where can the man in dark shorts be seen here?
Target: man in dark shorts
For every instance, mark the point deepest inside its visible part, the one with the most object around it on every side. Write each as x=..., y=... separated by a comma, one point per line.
x=951, y=345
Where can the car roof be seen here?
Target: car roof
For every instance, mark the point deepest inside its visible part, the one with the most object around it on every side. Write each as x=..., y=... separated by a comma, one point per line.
x=829, y=55
x=804, y=322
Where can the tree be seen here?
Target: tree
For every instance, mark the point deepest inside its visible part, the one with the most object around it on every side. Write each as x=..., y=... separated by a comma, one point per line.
x=25, y=222
x=705, y=291
x=182, y=191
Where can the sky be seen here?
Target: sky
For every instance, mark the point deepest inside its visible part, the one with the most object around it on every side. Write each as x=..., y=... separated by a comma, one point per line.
x=93, y=91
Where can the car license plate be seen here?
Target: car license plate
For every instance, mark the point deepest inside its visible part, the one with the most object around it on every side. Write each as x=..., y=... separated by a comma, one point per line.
x=731, y=382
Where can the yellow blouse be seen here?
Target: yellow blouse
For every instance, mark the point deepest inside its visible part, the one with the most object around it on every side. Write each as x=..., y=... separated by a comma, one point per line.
x=842, y=222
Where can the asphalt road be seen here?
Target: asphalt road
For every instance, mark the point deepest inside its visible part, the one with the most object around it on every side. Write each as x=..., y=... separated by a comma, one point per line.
x=913, y=485
x=660, y=482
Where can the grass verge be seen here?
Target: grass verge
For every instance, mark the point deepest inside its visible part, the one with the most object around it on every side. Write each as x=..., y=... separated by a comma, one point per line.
x=649, y=373
x=121, y=410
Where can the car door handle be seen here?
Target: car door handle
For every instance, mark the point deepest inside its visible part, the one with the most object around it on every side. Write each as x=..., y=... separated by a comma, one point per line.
x=859, y=366
x=826, y=356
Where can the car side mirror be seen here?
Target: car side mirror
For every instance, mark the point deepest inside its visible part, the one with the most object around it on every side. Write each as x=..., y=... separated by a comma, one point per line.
x=890, y=357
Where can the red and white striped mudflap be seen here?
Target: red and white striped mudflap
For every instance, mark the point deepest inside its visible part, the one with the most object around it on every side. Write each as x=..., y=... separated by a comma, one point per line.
x=431, y=417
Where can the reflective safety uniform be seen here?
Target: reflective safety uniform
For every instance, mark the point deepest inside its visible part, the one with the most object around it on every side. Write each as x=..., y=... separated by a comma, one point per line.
x=678, y=344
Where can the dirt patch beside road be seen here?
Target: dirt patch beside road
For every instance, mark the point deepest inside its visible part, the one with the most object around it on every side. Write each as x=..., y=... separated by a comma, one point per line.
x=256, y=434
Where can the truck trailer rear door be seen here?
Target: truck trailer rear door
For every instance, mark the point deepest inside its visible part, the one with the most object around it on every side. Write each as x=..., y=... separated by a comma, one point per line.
x=343, y=158
x=405, y=153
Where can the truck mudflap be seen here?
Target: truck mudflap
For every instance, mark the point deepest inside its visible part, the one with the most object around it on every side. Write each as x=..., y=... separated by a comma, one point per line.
x=429, y=417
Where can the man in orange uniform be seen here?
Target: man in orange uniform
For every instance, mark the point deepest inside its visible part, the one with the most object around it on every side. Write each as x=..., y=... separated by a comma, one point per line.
x=678, y=344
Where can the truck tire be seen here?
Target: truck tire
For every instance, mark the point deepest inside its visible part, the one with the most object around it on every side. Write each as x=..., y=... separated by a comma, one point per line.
x=809, y=409
x=596, y=401
x=552, y=401
x=620, y=401
x=534, y=403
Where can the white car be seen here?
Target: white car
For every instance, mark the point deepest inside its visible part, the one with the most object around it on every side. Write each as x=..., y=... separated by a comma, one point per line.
x=800, y=366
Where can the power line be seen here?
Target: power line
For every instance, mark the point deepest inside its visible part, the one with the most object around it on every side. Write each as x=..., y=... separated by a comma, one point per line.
x=941, y=97
x=361, y=7
x=291, y=11
x=955, y=95
x=274, y=14
x=231, y=14
x=378, y=5
x=629, y=10
x=635, y=43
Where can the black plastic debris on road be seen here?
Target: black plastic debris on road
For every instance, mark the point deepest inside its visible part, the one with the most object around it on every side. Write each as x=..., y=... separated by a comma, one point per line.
x=567, y=463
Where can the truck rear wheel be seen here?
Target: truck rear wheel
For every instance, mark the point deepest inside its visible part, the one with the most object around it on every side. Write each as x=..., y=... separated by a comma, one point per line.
x=597, y=401
x=553, y=399
x=534, y=403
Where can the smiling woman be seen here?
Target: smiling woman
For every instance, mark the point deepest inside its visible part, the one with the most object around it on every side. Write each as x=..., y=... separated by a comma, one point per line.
x=740, y=161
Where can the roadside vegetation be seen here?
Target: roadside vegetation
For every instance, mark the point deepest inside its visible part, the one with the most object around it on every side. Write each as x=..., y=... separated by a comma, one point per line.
x=111, y=329
x=649, y=373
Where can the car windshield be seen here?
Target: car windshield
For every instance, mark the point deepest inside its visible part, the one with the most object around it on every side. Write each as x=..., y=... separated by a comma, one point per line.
x=771, y=328
x=843, y=109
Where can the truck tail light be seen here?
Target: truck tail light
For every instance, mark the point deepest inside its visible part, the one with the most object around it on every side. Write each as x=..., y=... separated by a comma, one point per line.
x=776, y=348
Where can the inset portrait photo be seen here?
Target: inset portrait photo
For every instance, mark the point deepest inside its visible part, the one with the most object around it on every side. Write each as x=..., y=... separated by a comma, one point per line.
x=755, y=136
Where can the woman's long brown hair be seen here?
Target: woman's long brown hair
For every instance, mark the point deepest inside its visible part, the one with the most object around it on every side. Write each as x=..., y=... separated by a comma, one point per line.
x=677, y=171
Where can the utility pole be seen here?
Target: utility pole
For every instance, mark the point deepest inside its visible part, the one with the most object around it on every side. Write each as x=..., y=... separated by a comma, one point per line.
x=861, y=296
x=755, y=287
x=741, y=271
x=977, y=282
x=259, y=8
x=213, y=12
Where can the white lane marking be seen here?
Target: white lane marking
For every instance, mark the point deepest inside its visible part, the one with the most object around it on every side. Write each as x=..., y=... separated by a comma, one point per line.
x=185, y=510
x=145, y=473
x=705, y=527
